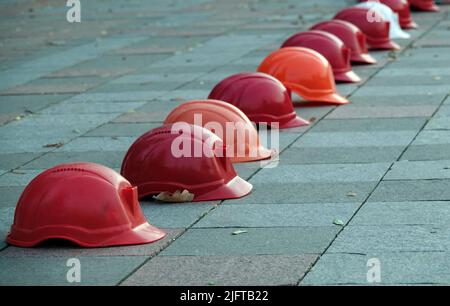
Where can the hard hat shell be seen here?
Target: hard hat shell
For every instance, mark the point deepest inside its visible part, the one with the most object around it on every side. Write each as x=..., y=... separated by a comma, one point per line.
x=331, y=47
x=304, y=71
x=402, y=8
x=377, y=31
x=223, y=113
x=351, y=36
x=395, y=31
x=424, y=5
x=88, y=204
x=152, y=165
x=261, y=97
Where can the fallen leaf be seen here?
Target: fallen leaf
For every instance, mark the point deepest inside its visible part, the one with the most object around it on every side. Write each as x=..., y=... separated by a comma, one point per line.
x=18, y=118
x=312, y=119
x=17, y=172
x=176, y=197
x=54, y=145
x=76, y=131
x=352, y=194
x=238, y=232
x=338, y=222
x=437, y=78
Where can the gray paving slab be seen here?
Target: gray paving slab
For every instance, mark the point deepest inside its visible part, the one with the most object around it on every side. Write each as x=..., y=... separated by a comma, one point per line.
x=18, y=177
x=258, y=270
x=100, y=144
x=68, y=250
x=354, y=111
x=53, y=270
x=122, y=129
x=10, y=195
x=91, y=108
x=256, y=241
x=370, y=125
x=356, y=139
x=427, y=152
x=12, y=161
x=432, y=138
x=435, y=213
x=343, y=173
x=407, y=268
x=340, y=155
x=419, y=170
x=412, y=190
x=394, y=238
x=277, y=215
x=294, y=193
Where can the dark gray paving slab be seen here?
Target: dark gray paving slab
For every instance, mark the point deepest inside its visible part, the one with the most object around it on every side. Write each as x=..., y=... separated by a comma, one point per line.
x=412, y=190
x=257, y=241
x=12, y=161
x=122, y=129
x=394, y=238
x=18, y=178
x=10, y=195
x=432, y=137
x=343, y=173
x=53, y=270
x=99, y=144
x=334, y=155
x=277, y=215
x=419, y=170
x=222, y=270
x=34, y=103
x=399, y=100
x=403, y=213
x=294, y=193
x=92, y=107
x=409, y=268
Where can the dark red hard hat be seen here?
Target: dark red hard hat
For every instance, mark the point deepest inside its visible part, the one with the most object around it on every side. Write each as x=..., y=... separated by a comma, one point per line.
x=261, y=97
x=331, y=47
x=424, y=5
x=402, y=8
x=351, y=36
x=88, y=204
x=376, y=30
x=182, y=157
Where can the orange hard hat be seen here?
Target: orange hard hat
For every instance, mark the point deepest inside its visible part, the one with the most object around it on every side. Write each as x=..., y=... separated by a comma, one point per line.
x=228, y=122
x=305, y=72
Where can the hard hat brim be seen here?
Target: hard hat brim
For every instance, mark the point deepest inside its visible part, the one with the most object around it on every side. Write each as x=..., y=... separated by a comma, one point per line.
x=410, y=25
x=347, y=77
x=363, y=59
x=234, y=189
x=389, y=45
x=262, y=154
x=295, y=122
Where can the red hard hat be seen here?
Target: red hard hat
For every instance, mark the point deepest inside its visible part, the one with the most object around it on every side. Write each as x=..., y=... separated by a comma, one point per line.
x=231, y=121
x=402, y=8
x=261, y=97
x=305, y=72
x=154, y=166
x=351, y=36
x=377, y=30
x=88, y=204
x=424, y=5
x=331, y=47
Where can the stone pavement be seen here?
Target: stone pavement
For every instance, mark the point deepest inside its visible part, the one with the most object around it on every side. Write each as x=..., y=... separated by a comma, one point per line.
x=380, y=165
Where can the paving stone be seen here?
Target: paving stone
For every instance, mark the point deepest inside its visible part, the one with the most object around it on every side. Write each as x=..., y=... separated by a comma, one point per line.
x=60, y=248
x=113, y=159
x=257, y=241
x=353, y=111
x=10, y=195
x=18, y=177
x=407, y=268
x=343, y=173
x=92, y=108
x=12, y=161
x=403, y=213
x=277, y=215
x=438, y=123
x=172, y=215
x=427, y=152
x=100, y=144
x=394, y=238
x=42, y=89
x=400, y=100
x=432, y=138
x=222, y=270
x=122, y=129
x=294, y=193
x=340, y=155
x=419, y=170
x=369, y=125
x=356, y=139
x=53, y=270
x=430, y=80
x=27, y=103
x=400, y=90
x=412, y=190
x=103, y=72
x=129, y=96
